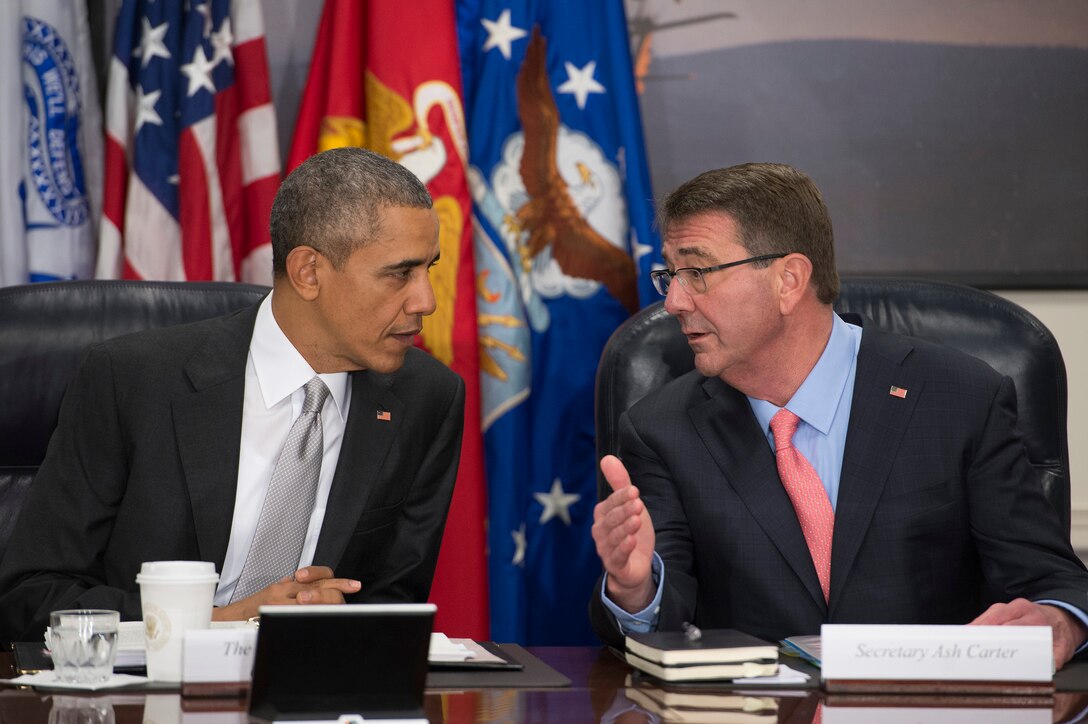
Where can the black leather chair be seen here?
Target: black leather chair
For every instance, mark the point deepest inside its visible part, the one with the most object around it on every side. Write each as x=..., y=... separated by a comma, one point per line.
x=648, y=350
x=45, y=330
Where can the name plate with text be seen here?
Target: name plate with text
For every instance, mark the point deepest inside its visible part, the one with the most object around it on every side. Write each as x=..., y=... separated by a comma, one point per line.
x=219, y=655
x=948, y=653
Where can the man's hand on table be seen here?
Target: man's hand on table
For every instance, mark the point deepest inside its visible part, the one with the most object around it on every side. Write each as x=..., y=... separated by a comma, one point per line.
x=310, y=585
x=1069, y=633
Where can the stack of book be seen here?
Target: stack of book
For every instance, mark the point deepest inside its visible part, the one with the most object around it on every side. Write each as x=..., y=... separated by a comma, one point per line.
x=716, y=654
x=696, y=707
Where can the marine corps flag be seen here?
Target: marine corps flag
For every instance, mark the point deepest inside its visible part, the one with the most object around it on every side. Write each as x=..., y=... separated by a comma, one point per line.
x=385, y=76
x=564, y=248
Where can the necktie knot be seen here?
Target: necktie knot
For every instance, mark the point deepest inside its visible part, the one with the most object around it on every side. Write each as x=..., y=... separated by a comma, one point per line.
x=316, y=394
x=783, y=425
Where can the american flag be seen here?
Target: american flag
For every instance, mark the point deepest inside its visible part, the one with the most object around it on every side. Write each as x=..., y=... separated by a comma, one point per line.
x=192, y=162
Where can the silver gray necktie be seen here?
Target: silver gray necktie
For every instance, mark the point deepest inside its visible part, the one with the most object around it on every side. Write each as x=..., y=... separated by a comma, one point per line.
x=289, y=502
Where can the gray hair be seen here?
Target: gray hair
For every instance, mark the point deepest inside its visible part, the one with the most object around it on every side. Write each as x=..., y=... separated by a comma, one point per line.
x=333, y=202
x=778, y=208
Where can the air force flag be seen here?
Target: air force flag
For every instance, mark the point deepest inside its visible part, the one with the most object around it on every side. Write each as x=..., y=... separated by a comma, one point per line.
x=563, y=242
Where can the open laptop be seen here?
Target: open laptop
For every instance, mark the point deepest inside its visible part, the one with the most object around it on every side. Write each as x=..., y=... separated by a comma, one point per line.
x=322, y=662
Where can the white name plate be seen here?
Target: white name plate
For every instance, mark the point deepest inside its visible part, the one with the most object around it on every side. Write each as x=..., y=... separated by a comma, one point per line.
x=958, y=653
x=219, y=655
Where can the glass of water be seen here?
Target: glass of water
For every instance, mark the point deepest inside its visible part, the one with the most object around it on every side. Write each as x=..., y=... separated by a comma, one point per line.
x=83, y=644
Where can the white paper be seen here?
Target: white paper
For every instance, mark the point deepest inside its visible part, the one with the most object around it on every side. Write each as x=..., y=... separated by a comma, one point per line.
x=785, y=675
x=442, y=649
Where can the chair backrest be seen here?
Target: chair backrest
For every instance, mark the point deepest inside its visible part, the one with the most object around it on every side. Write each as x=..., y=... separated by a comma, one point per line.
x=45, y=329
x=648, y=350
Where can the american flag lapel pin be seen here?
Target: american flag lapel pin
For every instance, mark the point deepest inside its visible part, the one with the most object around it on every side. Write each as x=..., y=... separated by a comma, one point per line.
x=900, y=392
x=384, y=415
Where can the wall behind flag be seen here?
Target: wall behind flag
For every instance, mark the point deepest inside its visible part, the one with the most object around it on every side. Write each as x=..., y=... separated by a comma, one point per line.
x=947, y=138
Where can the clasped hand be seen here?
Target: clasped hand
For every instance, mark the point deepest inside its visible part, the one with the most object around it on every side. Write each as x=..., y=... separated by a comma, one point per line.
x=309, y=585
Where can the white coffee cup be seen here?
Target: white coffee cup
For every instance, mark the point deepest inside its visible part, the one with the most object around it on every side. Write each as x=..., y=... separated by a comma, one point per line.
x=176, y=596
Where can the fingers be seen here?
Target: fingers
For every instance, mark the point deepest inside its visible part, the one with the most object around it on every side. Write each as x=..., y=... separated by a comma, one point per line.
x=316, y=585
x=312, y=574
x=616, y=520
x=321, y=589
x=326, y=594
x=615, y=472
x=1017, y=612
x=1006, y=614
x=1068, y=632
x=623, y=503
x=310, y=585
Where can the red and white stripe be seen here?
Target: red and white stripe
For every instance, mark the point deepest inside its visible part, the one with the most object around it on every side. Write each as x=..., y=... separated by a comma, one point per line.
x=228, y=174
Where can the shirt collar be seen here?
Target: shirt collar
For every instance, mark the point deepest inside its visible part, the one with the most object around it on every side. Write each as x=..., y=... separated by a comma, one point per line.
x=817, y=399
x=279, y=367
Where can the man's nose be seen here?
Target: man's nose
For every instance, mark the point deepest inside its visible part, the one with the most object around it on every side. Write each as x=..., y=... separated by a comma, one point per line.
x=678, y=298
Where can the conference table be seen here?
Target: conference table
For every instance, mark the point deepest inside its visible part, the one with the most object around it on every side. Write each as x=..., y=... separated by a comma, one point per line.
x=599, y=691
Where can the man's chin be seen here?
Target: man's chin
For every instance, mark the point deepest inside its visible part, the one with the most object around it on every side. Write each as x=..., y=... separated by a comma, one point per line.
x=707, y=367
x=388, y=364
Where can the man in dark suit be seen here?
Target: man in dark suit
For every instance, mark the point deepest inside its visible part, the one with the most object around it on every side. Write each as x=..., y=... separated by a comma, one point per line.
x=168, y=439
x=902, y=496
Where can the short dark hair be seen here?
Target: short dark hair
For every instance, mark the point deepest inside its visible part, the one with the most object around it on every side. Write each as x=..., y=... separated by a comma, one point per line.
x=333, y=200
x=778, y=208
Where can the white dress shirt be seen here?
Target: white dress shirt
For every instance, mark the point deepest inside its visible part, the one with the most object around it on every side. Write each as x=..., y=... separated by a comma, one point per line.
x=275, y=375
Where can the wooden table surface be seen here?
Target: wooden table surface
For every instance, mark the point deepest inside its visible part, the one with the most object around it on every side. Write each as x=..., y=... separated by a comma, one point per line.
x=598, y=692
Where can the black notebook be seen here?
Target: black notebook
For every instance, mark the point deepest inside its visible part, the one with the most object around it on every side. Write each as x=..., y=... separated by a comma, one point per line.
x=715, y=646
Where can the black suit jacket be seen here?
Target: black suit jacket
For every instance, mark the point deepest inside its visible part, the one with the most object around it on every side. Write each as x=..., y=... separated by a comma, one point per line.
x=938, y=511
x=143, y=466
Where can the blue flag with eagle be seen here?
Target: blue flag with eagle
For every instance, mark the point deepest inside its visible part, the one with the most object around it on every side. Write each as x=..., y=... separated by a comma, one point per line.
x=564, y=245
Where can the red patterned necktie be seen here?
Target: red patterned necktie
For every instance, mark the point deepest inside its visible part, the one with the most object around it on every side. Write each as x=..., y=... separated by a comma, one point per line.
x=807, y=494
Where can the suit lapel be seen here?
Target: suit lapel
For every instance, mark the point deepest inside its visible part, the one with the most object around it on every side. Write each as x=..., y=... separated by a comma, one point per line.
x=732, y=436
x=878, y=420
x=208, y=429
x=367, y=441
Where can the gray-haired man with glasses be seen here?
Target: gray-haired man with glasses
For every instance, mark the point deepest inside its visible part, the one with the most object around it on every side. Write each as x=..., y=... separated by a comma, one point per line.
x=812, y=470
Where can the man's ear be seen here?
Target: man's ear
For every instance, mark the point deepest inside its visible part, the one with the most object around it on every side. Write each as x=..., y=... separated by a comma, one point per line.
x=302, y=273
x=794, y=278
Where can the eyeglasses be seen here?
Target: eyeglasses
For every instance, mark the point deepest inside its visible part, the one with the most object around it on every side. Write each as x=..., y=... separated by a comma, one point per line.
x=691, y=278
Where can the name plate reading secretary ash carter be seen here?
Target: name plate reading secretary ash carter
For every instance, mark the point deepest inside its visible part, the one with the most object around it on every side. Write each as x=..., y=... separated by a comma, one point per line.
x=957, y=653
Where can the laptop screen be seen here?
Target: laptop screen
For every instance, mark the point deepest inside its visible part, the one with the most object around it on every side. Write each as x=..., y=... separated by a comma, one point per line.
x=326, y=661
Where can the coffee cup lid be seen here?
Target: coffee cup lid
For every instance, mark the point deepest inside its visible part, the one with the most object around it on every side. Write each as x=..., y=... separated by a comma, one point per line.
x=177, y=572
